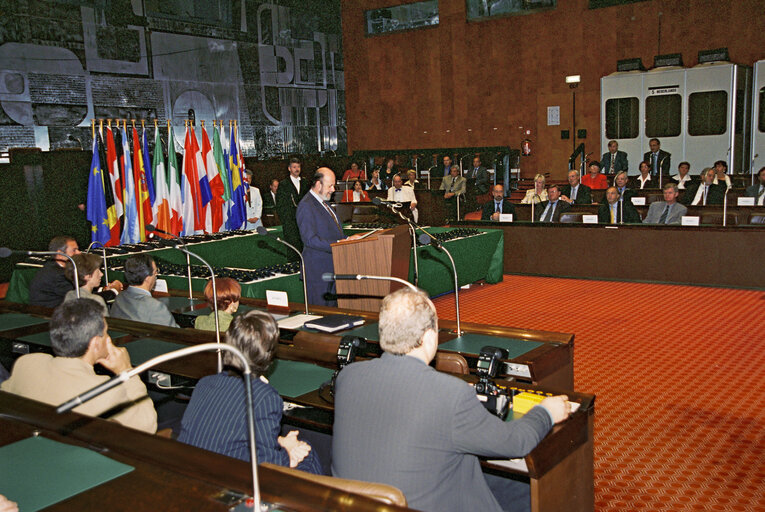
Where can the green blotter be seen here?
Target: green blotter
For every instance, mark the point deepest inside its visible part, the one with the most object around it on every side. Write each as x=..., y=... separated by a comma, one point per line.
x=180, y=304
x=43, y=338
x=295, y=378
x=10, y=321
x=369, y=331
x=37, y=472
x=144, y=349
x=470, y=343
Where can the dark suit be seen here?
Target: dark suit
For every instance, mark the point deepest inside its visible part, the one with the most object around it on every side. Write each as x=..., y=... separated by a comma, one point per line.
x=400, y=422
x=715, y=194
x=754, y=191
x=287, y=200
x=663, y=160
x=634, y=183
x=631, y=215
x=481, y=177
x=49, y=286
x=318, y=229
x=489, y=209
x=269, y=205
x=620, y=162
x=627, y=193
x=560, y=207
x=583, y=194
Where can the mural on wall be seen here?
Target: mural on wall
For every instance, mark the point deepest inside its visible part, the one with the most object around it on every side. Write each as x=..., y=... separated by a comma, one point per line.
x=275, y=66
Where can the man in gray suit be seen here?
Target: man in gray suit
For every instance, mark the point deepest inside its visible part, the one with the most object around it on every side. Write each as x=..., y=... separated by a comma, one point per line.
x=668, y=211
x=400, y=422
x=481, y=176
x=136, y=303
x=757, y=191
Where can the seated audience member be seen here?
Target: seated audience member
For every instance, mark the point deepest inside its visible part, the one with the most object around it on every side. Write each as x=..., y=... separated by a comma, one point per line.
x=375, y=183
x=50, y=285
x=721, y=173
x=79, y=338
x=89, y=275
x=454, y=187
x=704, y=192
x=400, y=422
x=401, y=194
x=595, y=180
x=612, y=210
x=356, y=194
x=575, y=192
x=481, y=176
x=550, y=210
x=613, y=160
x=757, y=191
x=644, y=179
x=658, y=159
x=668, y=211
x=229, y=292
x=354, y=173
x=411, y=179
x=620, y=182
x=215, y=418
x=388, y=170
x=446, y=168
x=498, y=205
x=269, y=198
x=538, y=193
x=683, y=176
x=136, y=303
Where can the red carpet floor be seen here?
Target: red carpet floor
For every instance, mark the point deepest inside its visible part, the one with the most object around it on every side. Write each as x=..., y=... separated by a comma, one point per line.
x=679, y=374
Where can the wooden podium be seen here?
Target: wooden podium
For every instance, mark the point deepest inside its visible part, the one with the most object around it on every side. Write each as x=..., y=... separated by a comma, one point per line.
x=385, y=253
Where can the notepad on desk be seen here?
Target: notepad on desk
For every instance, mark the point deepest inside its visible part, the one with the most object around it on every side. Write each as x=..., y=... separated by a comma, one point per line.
x=334, y=323
x=296, y=322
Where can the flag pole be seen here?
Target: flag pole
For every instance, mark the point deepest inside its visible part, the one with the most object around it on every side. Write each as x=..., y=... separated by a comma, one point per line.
x=93, y=128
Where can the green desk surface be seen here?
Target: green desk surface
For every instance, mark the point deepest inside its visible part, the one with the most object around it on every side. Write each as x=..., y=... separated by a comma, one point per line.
x=10, y=321
x=295, y=378
x=43, y=338
x=243, y=308
x=180, y=304
x=368, y=331
x=37, y=472
x=473, y=343
x=144, y=349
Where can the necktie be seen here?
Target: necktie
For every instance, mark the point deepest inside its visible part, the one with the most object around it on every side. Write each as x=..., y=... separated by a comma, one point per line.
x=497, y=207
x=573, y=193
x=704, y=202
x=761, y=195
x=613, y=214
x=549, y=213
x=663, y=218
x=611, y=168
x=475, y=172
x=329, y=210
x=655, y=163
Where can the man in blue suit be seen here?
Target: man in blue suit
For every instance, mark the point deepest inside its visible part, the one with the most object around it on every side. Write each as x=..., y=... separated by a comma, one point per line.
x=319, y=228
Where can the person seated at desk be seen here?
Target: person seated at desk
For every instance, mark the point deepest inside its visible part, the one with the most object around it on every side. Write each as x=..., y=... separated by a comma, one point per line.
x=400, y=422
x=538, y=193
x=454, y=186
x=620, y=182
x=388, y=170
x=498, y=205
x=668, y=211
x=356, y=194
x=79, y=339
x=575, y=192
x=595, y=180
x=411, y=179
x=644, y=179
x=481, y=176
x=613, y=160
x=375, y=183
x=50, y=285
x=269, y=198
x=757, y=191
x=721, y=173
x=229, y=292
x=704, y=192
x=683, y=176
x=401, y=194
x=611, y=212
x=354, y=173
x=550, y=210
x=89, y=275
x=136, y=303
x=215, y=418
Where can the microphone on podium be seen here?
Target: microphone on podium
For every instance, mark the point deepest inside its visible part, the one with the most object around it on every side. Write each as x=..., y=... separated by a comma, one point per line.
x=390, y=204
x=426, y=239
x=263, y=231
x=329, y=277
x=151, y=227
x=5, y=252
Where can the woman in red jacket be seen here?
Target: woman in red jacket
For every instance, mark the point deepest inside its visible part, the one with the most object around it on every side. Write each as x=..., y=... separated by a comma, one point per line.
x=356, y=194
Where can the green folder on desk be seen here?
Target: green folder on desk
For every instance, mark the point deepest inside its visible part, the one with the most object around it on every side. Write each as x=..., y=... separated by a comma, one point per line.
x=470, y=343
x=10, y=321
x=37, y=472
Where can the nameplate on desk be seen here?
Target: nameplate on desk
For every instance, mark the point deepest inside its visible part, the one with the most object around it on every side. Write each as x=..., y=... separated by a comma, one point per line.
x=689, y=220
x=277, y=299
x=161, y=286
x=506, y=217
x=638, y=201
x=589, y=219
x=745, y=201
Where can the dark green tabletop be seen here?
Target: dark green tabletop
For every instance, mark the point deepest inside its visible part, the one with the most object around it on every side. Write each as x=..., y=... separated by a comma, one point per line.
x=144, y=349
x=10, y=321
x=43, y=338
x=295, y=378
x=470, y=343
x=370, y=332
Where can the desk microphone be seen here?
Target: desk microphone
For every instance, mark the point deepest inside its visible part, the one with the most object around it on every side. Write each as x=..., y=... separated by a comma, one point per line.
x=176, y=354
x=5, y=252
x=263, y=231
x=426, y=239
x=152, y=227
x=390, y=204
x=725, y=206
x=329, y=277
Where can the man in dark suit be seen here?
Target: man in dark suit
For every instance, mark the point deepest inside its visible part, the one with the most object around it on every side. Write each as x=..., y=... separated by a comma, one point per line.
x=704, y=192
x=498, y=205
x=447, y=165
x=400, y=422
x=575, y=192
x=481, y=176
x=269, y=198
x=757, y=191
x=550, y=210
x=291, y=191
x=319, y=228
x=613, y=160
x=612, y=211
x=657, y=158
x=621, y=181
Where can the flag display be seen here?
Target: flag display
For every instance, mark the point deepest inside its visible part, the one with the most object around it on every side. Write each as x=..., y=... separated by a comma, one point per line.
x=130, y=228
x=238, y=214
x=174, y=185
x=161, y=204
x=143, y=201
x=112, y=167
x=215, y=182
x=96, y=207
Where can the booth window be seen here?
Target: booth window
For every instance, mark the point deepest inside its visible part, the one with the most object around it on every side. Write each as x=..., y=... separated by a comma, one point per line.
x=480, y=9
x=662, y=115
x=401, y=17
x=622, y=118
x=707, y=113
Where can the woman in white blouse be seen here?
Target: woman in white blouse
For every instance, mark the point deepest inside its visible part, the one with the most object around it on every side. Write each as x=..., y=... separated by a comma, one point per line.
x=538, y=193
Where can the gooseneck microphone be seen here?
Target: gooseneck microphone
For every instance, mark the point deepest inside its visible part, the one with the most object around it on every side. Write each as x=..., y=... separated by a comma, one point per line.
x=5, y=252
x=176, y=354
x=103, y=252
x=426, y=239
x=329, y=277
x=263, y=231
x=152, y=227
x=395, y=206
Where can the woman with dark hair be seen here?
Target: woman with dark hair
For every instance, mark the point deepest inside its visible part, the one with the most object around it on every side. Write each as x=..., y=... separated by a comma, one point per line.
x=388, y=170
x=356, y=194
x=229, y=292
x=89, y=275
x=354, y=173
x=215, y=418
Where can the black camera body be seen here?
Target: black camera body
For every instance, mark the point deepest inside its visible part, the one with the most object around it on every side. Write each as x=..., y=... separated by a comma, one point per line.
x=495, y=399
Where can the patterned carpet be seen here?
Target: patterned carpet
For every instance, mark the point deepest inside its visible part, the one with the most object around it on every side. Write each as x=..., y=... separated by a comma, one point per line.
x=679, y=374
